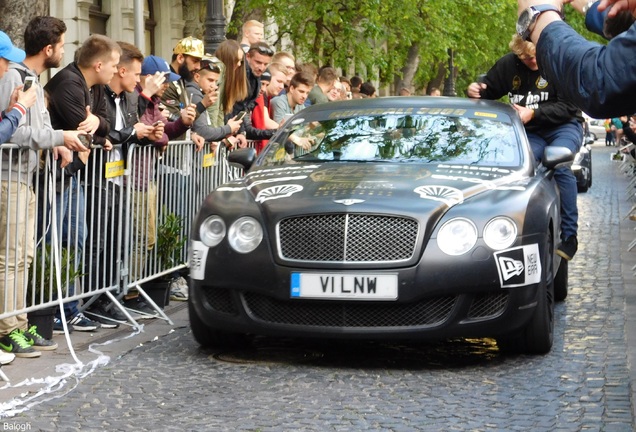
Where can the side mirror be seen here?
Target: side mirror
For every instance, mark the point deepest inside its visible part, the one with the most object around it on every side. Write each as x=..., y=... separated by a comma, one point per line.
x=243, y=157
x=555, y=156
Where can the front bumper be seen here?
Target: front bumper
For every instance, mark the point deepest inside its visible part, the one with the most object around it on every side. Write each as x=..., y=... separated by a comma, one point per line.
x=439, y=297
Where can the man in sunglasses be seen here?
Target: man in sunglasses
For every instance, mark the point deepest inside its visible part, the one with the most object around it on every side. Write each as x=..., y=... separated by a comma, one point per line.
x=257, y=59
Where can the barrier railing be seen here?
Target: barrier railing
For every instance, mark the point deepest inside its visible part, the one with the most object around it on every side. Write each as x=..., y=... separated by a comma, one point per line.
x=67, y=238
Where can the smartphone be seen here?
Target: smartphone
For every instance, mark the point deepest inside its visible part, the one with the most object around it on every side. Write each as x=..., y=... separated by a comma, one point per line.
x=157, y=123
x=86, y=140
x=28, y=82
x=240, y=115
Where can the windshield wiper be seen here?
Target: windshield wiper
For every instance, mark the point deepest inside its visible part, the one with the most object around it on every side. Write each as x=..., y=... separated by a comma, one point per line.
x=308, y=158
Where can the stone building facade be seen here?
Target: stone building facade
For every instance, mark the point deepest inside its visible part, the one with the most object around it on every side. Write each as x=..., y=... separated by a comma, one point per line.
x=166, y=22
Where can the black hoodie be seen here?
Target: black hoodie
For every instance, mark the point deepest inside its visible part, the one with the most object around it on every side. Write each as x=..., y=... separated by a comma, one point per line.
x=523, y=86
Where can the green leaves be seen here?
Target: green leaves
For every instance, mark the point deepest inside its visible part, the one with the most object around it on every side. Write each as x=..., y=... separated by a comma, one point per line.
x=369, y=37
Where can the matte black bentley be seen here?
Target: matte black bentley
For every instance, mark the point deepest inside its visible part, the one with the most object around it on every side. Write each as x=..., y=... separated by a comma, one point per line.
x=412, y=218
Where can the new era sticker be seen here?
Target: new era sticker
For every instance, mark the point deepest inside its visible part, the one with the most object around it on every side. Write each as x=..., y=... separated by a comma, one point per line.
x=519, y=266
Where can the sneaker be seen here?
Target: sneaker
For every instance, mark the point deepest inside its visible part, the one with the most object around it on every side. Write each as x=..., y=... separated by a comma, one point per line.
x=141, y=307
x=104, y=317
x=568, y=248
x=58, y=327
x=6, y=358
x=80, y=323
x=179, y=289
x=37, y=341
x=16, y=343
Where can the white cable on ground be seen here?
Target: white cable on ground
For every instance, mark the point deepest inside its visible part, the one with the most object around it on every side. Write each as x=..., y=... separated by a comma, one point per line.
x=56, y=386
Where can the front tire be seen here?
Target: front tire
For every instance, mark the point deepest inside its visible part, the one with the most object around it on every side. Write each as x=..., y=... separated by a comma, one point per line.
x=538, y=336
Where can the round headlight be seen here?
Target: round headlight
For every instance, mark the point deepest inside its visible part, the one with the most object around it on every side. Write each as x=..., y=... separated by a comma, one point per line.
x=500, y=233
x=245, y=234
x=212, y=231
x=457, y=236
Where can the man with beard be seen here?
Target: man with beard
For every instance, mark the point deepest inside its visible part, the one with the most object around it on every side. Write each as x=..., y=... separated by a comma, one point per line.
x=44, y=46
x=186, y=59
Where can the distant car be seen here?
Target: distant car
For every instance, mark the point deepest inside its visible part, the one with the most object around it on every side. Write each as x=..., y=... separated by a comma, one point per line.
x=582, y=168
x=400, y=218
x=597, y=130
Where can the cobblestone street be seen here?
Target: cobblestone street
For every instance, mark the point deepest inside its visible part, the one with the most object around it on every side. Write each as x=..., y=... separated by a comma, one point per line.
x=585, y=383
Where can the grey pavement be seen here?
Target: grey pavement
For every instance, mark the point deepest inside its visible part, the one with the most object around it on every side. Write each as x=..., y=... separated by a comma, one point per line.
x=161, y=379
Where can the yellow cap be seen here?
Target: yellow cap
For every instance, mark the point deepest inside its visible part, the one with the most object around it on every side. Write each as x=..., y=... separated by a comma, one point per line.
x=190, y=46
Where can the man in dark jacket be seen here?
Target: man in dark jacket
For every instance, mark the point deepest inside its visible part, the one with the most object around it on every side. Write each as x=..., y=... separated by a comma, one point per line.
x=106, y=198
x=548, y=119
x=77, y=101
x=601, y=80
x=258, y=57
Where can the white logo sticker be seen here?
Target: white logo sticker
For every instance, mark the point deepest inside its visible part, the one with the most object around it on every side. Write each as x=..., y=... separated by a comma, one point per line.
x=448, y=195
x=519, y=266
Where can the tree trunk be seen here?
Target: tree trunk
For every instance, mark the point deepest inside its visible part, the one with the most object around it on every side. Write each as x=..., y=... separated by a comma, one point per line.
x=439, y=78
x=409, y=69
x=16, y=14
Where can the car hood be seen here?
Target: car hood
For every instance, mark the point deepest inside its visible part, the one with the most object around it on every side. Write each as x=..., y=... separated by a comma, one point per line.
x=392, y=188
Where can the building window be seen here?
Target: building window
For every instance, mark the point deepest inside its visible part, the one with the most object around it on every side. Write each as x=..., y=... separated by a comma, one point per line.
x=150, y=24
x=97, y=18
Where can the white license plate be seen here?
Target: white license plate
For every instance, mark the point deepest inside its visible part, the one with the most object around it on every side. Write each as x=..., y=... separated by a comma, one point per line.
x=339, y=286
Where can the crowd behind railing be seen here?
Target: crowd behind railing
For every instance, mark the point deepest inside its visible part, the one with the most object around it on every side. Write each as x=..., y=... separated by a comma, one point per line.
x=131, y=250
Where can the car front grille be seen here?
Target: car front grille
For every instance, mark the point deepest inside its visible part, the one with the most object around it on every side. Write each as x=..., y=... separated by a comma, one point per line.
x=349, y=238
x=426, y=313
x=220, y=299
x=488, y=305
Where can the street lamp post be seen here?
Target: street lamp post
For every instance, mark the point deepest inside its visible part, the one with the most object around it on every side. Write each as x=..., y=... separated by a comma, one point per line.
x=449, y=84
x=214, y=26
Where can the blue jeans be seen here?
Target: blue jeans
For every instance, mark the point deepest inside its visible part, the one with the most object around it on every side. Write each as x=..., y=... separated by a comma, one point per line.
x=569, y=135
x=71, y=229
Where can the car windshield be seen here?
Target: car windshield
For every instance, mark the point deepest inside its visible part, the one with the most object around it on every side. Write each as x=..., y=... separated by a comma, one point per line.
x=397, y=138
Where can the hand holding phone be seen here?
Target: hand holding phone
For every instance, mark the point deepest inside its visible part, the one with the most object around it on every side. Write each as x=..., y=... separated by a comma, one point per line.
x=86, y=140
x=28, y=82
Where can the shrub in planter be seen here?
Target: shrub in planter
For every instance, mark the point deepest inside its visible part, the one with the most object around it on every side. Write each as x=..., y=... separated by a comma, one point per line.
x=43, y=287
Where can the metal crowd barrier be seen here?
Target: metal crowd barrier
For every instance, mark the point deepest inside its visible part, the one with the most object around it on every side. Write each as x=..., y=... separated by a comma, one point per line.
x=98, y=232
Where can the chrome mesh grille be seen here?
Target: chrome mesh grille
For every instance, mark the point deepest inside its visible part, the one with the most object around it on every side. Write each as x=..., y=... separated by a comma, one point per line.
x=430, y=312
x=347, y=238
x=488, y=305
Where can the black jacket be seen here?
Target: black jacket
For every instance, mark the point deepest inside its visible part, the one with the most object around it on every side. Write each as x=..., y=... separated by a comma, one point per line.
x=248, y=104
x=525, y=87
x=68, y=98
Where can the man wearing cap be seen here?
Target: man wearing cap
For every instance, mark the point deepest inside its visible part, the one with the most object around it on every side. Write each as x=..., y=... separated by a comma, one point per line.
x=44, y=42
x=186, y=59
x=15, y=110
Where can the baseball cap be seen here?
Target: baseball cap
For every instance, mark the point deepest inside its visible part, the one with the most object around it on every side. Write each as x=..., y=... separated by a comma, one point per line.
x=153, y=64
x=266, y=76
x=190, y=46
x=9, y=51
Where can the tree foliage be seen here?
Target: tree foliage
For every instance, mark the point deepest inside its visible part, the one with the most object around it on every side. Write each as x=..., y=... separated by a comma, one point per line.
x=373, y=38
